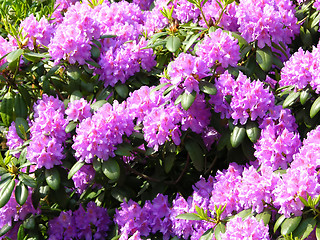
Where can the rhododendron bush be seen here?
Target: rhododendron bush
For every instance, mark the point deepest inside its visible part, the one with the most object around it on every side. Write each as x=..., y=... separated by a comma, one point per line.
x=164, y=119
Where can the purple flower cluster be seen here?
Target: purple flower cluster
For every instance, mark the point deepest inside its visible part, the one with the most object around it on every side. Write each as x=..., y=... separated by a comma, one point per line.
x=39, y=33
x=151, y=218
x=249, y=99
x=155, y=21
x=72, y=38
x=186, y=11
x=99, y=135
x=249, y=228
x=219, y=48
x=5, y=47
x=78, y=110
x=83, y=177
x=47, y=133
x=302, y=69
x=186, y=71
x=267, y=21
x=80, y=224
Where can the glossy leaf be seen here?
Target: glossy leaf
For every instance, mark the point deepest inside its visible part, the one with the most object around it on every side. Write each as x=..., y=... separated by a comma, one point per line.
x=27, y=180
x=6, y=108
x=304, y=96
x=196, y=154
x=21, y=193
x=290, y=99
x=173, y=43
x=20, y=107
x=207, y=87
x=22, y=127
x=191, y=41
x=253, y=131
x=208, y=235
x=6, y=228
x=315, y=107
x=305, y=228
x=6, y=192
x=264, y=58
x=111, y=169
x=53, y=178
x=265, y=216
x=237, y=136
x=278, y=223
x=14, y=55
x=289, y=225
x=122, y=90
x=187, y=99
x=75, y=168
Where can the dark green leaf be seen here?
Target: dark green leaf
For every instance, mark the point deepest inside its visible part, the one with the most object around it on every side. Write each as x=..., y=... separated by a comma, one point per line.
x=122, y=90
x=264, y=58
x=6, y=228
x=237, y=136
x=6, y=109
x=73, y=72
x=253, y=131
x=94, y=64
x=6, y=192
x=305, y=228
x=107, y=36
x=315, y=107
x=318, y=231
x=21, y=193
x=290, y=99
x=187, y=99
x=173, y=43
x=188, y=216
x=123, y=150
x=207, y=87
x=35, y=57
x=53, y=178
x=191, y=41
x=22, y=127
x=289, y=225
x=29, y=223
x=168, y=162
x=111, y=169
x=20, y=107
x=195, y=153
x=75, y=168
x=95, y=51
x=220, y=228
x=241, y=40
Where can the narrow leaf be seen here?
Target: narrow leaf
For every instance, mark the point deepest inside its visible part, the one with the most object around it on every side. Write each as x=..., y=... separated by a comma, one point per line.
x=305, y=228
x=315, y=107
x=290, y=99
x=220, y=228
x=289, y=225
x=196, y=154
x=188, y=216
x=75, y=168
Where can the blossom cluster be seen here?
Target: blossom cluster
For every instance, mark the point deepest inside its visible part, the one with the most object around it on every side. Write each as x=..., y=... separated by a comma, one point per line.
x=92, y=223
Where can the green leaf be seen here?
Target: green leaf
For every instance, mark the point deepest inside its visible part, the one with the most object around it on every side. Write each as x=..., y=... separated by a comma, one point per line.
x=220, y=228
x=237, y=136
x=75, y=168
x=159, y=87
x=245, y=213
x=20, y=107
x=253, y=131
x=6, y=192
x=188, y=216
x=303, y=201
x=264, y=58
x=123, y=150
x=98, y=104
x=122, y=90
x=6, y=228
x=168, y=162
x=15, y=55
x=289, y=225
x=265, y=216
x=107, y=36
x=191, y=41
x=27, y=180
x=318, y=231
x=53, y=178
x=278, y=223
x=6, y=109
x=22, y=127
x=305, y=228
x=21, y=234
x=21, y=193
x=29, y=223
x=71, y=126
x=94, y=64
x=173, y=43
x=315, y=107
x=35, y=57
x=208, y=235
x=196, y=154
x=241, y=40
x=95, y=51
x=290, y=99
x=111, y=169
x=187, y=99
x=73, y=72
x=304, y=96
x=207, y=87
